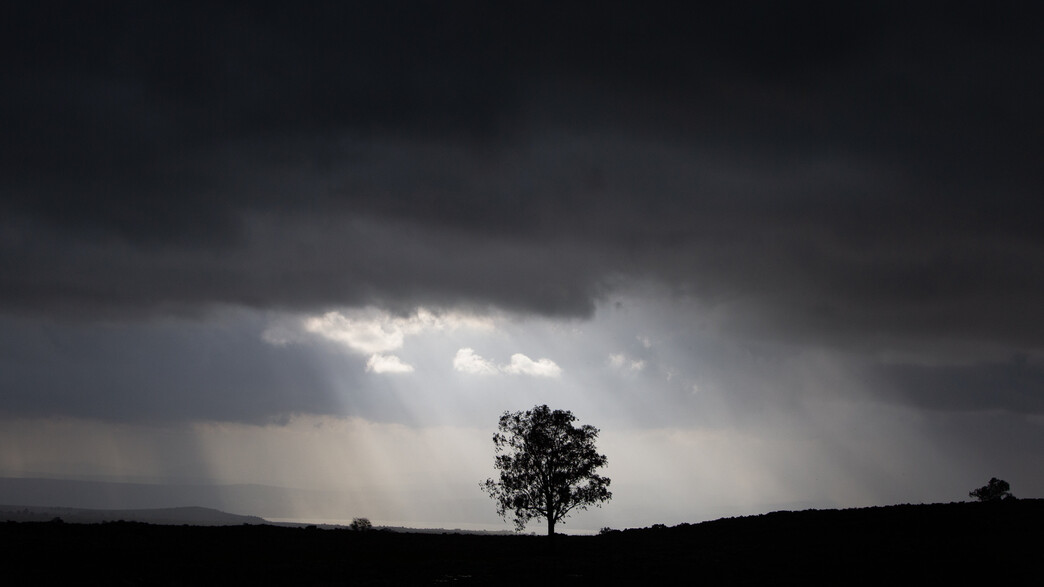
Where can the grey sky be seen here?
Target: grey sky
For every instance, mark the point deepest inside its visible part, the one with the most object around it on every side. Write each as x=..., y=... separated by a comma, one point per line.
x=755, y=221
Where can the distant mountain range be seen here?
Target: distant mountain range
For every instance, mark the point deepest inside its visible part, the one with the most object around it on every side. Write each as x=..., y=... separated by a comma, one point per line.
x=82, y=501
x=107, y=495
x=193, y=516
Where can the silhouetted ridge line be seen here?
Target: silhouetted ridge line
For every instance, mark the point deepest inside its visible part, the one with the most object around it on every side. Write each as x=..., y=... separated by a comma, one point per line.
x=933, y=544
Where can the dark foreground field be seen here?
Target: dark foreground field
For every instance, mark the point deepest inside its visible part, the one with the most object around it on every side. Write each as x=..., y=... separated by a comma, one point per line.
x=922, y=544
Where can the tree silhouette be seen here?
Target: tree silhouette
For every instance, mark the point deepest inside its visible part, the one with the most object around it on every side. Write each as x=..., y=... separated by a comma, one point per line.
x=995, y=490
x=547, y=467
x=361, y=525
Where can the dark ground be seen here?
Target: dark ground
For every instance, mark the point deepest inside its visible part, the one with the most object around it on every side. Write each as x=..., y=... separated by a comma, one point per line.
x=907, y=544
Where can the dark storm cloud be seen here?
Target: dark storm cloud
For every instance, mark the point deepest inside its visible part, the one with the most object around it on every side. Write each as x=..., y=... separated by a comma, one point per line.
x=1014, y=385
x=829, y=170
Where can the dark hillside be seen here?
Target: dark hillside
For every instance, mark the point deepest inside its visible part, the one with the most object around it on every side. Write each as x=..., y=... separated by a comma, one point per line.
x=908, y=544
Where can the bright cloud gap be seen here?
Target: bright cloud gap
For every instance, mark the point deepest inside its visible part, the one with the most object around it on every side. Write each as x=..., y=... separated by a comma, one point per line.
x=378, y=363
x=468, y=361
x=370, y=330
x=376, y=333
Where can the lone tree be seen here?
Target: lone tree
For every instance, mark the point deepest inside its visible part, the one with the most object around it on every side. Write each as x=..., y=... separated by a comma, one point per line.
x=995, y=490
x=361, y=525
x=547, y=467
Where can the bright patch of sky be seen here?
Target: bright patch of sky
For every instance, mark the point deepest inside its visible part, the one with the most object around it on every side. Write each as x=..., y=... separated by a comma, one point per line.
x=483, y=364
x=373, y=332
x=523, y=365
x=468, y=361
x=379, y=363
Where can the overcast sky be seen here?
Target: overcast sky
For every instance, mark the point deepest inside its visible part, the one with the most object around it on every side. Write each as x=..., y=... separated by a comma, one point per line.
x=783, y=255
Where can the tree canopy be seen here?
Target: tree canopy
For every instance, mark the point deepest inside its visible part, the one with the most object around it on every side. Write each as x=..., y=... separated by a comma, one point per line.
x=361, y=525
x=547, y=467
x=995, y=490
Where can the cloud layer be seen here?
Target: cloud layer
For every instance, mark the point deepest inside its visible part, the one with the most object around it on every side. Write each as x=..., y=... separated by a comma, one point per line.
x=819, y=171
x=862, y=179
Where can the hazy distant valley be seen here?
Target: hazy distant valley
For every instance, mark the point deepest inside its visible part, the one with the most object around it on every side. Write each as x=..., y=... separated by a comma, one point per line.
x=268, y=502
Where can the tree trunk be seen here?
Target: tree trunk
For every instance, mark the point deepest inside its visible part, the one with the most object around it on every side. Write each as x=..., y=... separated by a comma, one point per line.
x=552, y=547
